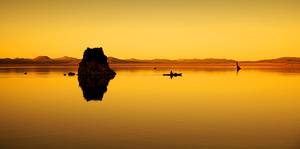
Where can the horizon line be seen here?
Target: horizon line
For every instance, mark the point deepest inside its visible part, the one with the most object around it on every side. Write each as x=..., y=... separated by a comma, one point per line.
x=156, y=58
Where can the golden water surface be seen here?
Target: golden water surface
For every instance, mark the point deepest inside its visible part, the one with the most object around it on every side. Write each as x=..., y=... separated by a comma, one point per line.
x=205, y=108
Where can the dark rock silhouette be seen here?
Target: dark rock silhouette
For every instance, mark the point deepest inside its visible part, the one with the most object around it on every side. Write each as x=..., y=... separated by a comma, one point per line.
x=94, y=62
x=71, y=74
x=94, y=74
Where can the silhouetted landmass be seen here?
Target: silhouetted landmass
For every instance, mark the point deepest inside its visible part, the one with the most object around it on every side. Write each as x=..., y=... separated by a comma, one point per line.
x=41, y=60
x=289, y=60
x=94, y=74
x=69, y=61
x=94, y=62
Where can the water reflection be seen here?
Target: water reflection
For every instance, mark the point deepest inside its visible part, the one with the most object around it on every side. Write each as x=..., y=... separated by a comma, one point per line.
x=93, y=86
x=206, y=108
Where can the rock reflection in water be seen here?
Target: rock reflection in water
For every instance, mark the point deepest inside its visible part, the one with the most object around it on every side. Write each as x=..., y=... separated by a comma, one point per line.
x=93, y=87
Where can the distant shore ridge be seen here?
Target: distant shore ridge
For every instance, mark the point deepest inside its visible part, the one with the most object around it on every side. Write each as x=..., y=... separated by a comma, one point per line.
x=116, y=62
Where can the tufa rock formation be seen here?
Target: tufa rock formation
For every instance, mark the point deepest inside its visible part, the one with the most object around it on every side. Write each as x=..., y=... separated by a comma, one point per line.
x=94, y=62
x=94, y=74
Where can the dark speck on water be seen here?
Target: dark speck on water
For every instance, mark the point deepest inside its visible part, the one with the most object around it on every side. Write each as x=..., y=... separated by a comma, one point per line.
x=71, y=74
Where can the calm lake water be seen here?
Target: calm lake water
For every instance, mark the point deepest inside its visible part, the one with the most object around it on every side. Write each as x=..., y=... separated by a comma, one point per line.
x=205, y=108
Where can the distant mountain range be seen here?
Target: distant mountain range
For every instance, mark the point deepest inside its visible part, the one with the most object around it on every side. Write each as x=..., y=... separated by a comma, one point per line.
x=69, y=61
x=41, y=60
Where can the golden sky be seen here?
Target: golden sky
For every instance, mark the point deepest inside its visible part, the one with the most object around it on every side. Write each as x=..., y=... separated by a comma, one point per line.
x=236, y=29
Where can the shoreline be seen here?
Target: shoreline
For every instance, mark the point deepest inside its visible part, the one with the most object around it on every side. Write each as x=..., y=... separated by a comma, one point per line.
x=244, y=65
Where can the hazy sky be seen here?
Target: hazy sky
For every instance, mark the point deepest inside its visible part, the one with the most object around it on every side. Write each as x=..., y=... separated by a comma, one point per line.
x=237, y=29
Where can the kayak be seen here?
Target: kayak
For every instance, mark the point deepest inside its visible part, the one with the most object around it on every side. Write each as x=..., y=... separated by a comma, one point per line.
x=173, y=74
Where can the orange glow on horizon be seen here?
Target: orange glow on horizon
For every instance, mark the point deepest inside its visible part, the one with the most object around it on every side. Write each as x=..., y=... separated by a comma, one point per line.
x=151, y=29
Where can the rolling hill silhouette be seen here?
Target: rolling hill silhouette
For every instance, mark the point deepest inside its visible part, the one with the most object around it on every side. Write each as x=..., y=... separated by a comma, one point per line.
x=71, y=61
